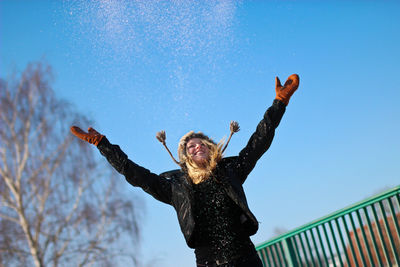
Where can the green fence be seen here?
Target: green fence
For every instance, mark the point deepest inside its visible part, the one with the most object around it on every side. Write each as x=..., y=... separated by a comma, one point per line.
x=364, y=234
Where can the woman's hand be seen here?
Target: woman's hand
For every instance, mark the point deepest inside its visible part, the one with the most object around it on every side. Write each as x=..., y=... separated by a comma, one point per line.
x=283, y=93
x=92, y=136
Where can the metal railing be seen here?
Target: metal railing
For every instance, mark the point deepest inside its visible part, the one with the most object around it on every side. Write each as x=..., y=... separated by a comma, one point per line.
x=364, y=234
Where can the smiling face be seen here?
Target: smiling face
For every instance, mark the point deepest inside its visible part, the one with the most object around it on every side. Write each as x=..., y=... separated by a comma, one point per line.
x=197, y=150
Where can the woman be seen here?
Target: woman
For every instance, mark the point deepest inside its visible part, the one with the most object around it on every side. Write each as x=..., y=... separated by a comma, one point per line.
x=207, y=191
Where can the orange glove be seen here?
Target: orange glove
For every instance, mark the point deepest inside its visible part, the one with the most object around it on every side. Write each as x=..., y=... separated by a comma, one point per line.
x=92, y=136
x=283, y=93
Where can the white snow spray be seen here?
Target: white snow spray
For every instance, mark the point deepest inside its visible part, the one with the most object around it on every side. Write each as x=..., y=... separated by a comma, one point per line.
x=182, y=27
x=178, y=34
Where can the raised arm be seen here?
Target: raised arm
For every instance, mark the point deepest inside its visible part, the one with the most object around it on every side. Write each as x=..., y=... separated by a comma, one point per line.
x=157, y=186
x=261, y=139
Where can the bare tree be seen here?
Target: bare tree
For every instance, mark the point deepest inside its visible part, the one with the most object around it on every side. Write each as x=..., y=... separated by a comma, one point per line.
x=59, y=207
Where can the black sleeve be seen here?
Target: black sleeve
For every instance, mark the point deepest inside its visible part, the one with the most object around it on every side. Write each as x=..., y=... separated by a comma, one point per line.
x=260, y=140
x=157, y=186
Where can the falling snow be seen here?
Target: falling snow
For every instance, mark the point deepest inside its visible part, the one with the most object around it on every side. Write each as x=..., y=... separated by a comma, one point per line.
x=182, y=36
x=182, y=28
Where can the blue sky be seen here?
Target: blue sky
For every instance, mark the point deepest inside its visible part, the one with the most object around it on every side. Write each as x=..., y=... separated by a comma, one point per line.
x=137, y=67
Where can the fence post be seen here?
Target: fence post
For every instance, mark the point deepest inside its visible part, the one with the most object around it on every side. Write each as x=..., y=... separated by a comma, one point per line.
x=290, y=254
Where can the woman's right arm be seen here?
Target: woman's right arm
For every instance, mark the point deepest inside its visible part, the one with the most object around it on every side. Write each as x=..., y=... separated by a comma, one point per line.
x=157, y=186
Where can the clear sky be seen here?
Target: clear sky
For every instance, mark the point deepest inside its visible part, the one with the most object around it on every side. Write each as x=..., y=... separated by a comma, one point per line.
x=137, y=67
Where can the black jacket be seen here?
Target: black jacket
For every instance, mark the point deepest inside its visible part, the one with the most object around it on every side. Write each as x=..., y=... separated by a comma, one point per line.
x=174, y=187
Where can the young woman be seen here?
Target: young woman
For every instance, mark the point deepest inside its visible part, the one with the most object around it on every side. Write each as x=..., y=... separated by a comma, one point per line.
x=207, y=191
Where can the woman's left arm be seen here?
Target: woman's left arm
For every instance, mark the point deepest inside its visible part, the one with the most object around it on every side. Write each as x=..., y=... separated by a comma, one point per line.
x=261, y=139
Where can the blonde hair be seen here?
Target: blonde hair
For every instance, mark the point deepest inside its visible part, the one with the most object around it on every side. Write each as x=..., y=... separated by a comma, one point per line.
x=199, y=172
